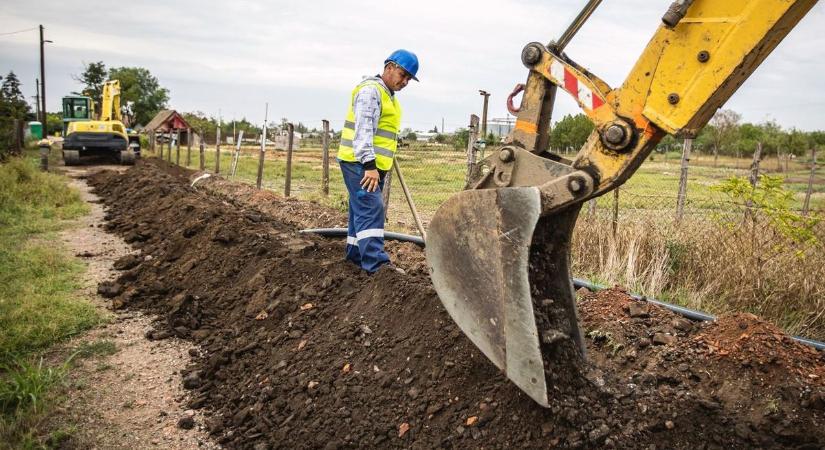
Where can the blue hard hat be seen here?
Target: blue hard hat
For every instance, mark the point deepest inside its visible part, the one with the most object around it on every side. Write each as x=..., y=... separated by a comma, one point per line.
x=406, y=59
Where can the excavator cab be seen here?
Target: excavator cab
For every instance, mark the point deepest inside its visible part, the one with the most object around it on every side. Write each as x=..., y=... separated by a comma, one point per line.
x=499, y=252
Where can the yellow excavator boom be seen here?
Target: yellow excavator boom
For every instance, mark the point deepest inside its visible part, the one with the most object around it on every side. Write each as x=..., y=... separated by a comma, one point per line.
x=110, y=103
x=499, y=252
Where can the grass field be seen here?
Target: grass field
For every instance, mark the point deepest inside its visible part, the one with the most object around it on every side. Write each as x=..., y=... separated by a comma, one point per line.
x=434, y=174
x=38, y=302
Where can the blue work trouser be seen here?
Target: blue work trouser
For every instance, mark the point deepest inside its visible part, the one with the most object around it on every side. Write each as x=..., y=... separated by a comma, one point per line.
x=365, y=229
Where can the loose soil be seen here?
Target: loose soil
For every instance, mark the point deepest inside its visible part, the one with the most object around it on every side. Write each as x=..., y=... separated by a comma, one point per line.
x=300, y=349
x=130, y=396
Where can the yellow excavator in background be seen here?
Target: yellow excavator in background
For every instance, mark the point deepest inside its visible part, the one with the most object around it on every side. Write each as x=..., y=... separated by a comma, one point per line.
x=499, y=252
x=106, y=136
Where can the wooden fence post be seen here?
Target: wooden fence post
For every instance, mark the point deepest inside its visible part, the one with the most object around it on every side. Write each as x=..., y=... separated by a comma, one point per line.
x=261, y=157
x=325, y=159
x=218, y=151
x=291, y=135
x=683, y=176
x=177, y=147
x=188, y=147
x=152, y=141
x=471, y=150
x=201, y=150
x=806, y=205
x=753, y=178
x=160, y=154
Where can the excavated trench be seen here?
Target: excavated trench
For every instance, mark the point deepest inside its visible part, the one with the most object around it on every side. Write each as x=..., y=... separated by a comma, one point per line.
x=302, y=350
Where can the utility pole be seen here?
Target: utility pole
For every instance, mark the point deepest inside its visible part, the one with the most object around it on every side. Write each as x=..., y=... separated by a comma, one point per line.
x=42, y=80
x=37, y=98
x=442, y=126
x=484, y=114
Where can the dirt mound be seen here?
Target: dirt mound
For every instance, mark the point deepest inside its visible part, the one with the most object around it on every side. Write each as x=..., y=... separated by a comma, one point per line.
x=303, y=350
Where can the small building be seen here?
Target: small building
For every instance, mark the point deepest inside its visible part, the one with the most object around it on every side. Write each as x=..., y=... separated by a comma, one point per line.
x=169, y=121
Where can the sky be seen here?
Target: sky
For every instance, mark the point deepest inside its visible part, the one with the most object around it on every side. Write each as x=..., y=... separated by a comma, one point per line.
x=304, y=57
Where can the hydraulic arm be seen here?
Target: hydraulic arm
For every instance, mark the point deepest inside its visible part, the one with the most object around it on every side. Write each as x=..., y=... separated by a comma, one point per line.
x=499, y=252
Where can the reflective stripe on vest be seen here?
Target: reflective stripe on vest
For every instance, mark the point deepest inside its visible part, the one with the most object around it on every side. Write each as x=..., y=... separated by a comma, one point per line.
x=385, y=139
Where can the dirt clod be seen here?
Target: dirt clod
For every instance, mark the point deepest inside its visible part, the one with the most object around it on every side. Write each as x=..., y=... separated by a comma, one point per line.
x=718, y=385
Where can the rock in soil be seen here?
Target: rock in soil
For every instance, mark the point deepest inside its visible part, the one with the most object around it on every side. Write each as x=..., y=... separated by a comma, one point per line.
x=223, y=246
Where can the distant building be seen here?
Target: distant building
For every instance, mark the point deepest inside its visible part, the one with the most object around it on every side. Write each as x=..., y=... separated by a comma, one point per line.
x=169, y=121
x=501, y=126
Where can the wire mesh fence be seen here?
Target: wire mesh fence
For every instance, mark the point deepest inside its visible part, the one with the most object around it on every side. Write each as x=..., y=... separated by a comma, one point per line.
x=718, y=255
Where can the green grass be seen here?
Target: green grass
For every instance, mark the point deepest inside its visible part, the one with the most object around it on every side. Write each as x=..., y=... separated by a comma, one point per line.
x=434, y=174
x=39, y=306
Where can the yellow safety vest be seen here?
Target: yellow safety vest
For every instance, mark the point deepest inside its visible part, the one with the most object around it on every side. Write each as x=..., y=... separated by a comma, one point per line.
x=385, y=140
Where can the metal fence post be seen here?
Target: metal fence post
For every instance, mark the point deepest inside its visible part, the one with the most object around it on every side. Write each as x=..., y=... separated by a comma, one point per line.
x=288, y=183
x=325, y=159
x=683, y=175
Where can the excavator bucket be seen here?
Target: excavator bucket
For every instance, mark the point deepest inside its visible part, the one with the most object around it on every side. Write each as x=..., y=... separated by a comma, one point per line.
x=510, y=295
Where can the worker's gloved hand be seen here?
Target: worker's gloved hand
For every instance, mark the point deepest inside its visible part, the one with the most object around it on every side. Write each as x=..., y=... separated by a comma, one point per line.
x=370, y=180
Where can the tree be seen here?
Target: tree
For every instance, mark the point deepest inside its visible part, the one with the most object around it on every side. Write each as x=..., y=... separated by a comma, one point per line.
x=141, y=88
x=15, y=102
x=723, y=131
x=93, y=78
x=571, y=132
x=460, y=138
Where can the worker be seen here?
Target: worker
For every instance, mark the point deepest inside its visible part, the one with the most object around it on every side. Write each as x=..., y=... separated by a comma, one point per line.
x=368, y=146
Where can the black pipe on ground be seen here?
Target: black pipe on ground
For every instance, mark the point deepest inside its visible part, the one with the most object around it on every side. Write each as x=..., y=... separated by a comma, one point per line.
x=577, y=282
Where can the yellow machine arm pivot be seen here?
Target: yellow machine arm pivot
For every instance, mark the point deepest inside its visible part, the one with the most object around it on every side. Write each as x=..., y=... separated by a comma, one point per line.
x=499, y=252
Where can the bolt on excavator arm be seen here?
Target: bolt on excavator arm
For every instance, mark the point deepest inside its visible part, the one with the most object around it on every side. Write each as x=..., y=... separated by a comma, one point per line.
x=499, y=252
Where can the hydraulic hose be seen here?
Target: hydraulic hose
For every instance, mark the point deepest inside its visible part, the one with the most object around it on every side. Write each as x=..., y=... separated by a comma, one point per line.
x=577, y=282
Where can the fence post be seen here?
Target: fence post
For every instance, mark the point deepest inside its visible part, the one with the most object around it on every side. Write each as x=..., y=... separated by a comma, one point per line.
x=160, y=154
x=471, y=149
x=325, y=160
x=753, y=178
x=291, y=135
x=152, y=141
x=44, y=154
x=201, y=151
x=177, y=147
x=683, y=175
x=810, y=190
x=218, y=151
x=261, y=157
x=757, y=155
x=188, y=147
x=615, y=211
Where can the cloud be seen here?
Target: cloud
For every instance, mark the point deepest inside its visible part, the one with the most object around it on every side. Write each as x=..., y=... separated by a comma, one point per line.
x=303, y=57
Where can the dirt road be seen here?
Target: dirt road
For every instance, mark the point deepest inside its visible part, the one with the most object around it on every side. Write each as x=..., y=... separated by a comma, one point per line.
x=301, y=350
x=130, y=395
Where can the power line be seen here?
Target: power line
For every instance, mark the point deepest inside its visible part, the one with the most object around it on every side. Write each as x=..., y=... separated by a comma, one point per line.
x=19, y=31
